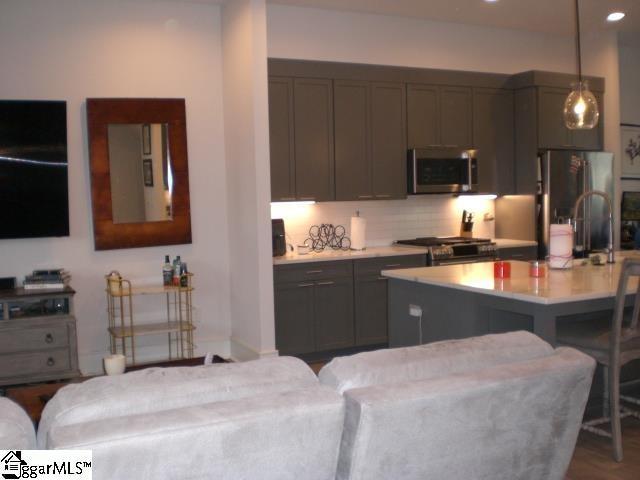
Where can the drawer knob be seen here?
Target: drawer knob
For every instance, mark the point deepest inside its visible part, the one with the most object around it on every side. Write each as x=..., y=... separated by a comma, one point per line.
x=48, y=338
x=50, y=362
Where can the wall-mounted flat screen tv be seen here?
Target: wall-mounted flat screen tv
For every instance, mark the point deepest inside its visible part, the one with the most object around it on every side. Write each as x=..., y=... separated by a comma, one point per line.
x=34, y=200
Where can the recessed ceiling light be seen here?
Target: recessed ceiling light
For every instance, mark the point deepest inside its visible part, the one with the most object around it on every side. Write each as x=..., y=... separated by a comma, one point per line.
x=615, y=16
x=491, y=1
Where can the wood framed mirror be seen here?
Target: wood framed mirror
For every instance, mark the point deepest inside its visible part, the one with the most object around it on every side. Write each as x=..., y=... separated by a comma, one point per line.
x=139, y=172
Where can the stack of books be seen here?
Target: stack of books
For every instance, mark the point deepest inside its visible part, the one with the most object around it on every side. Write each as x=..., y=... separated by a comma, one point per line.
x=57, y=278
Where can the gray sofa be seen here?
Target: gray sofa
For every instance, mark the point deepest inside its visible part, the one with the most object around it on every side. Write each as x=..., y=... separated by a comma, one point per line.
x=16, y=429
x=499, y=406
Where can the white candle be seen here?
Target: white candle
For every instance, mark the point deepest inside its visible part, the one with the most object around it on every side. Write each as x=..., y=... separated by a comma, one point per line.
x=560, y=245
x=114, y=364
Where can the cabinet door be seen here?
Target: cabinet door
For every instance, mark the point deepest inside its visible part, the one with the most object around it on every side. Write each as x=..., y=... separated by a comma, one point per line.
x=388, y=140
x=313, y=126
x=456, y=117
x=353, y=161
x=281, y=139
x=294, y=318
x=422, y=116
x=493, y=136
x=371, y=310
x=552, y=132
x=591, y=139
x=334, y=314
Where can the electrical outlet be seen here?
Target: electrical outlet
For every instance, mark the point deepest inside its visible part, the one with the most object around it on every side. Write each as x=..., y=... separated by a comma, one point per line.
x=415, y=310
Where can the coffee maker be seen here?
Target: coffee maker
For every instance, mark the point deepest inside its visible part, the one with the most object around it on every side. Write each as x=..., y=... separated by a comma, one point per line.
x=277, y=237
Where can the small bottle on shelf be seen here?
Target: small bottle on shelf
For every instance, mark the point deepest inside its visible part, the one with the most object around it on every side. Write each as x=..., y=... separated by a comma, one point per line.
x=184, y=278
x=167, y=272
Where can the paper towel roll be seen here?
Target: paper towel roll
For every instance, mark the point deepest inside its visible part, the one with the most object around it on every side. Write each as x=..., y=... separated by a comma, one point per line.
x=560, y=246
x=358, y=229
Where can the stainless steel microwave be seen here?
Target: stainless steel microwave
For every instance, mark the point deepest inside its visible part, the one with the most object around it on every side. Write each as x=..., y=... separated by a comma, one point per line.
x=442, y=170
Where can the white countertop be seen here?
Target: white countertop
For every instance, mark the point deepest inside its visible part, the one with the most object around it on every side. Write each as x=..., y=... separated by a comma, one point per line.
x=372, y=252
x=582, y=282
x=328, y=254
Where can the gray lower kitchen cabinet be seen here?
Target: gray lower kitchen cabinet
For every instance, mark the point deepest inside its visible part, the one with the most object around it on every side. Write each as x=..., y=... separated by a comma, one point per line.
x=370, y=140
x=493, y=136
x=370, y=293
x=518, y=253
x=37, y=336
x=313, y=307
x=301, y=138
x=439, y=115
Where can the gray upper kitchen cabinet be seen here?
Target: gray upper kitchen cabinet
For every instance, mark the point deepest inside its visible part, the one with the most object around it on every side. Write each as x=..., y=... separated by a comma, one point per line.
x=283, y=186
x=539, y=123
x=439, y=115
x=493, y=136
x=370, y=140
x=301, y=138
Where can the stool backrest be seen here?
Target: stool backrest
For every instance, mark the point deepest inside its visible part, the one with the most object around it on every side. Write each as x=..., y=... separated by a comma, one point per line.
x=630, y=269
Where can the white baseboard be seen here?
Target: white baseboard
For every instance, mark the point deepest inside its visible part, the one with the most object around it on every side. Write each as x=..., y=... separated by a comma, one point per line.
x=241, y=352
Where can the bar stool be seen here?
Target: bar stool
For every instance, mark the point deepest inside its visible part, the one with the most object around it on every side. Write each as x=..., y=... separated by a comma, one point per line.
x=613, y=344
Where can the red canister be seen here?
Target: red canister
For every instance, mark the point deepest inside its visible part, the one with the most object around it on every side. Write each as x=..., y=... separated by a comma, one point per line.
x=501, y=269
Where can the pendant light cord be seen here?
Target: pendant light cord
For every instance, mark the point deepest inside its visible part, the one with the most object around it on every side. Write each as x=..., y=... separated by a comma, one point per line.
x=578, y=43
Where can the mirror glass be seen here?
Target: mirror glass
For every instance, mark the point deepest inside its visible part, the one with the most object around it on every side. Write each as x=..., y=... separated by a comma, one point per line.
x=141, y=178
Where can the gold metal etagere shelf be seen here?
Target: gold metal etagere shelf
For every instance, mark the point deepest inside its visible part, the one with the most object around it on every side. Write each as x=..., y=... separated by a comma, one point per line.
x=123, y=329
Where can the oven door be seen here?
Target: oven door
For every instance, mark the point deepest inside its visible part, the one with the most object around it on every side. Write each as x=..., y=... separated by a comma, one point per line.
x=442, y=170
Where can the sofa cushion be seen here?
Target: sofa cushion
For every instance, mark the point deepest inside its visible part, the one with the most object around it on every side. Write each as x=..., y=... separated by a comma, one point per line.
x=291, y=435
x=507, y=422
x=431, y=360
x=156, y=389
x=16, y=428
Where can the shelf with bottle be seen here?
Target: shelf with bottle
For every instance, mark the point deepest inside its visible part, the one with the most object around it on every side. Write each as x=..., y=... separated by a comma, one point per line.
x=177, y=323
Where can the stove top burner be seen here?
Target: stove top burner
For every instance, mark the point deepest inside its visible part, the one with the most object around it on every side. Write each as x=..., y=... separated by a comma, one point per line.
x=438, y=241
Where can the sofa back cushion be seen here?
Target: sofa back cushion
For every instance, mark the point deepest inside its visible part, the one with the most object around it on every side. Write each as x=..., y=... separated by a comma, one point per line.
x=431, y=360
x=292, y=435
x=16, y=428
x=157, y=389
x=513, y=421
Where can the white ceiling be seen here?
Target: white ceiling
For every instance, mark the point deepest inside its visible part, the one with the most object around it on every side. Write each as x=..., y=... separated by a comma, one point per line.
x=547, y=16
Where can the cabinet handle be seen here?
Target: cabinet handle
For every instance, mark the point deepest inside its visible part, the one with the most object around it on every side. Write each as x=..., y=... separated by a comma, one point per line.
x=48, y=338
x=313, y=271
x=301, y=285
x=383, y=196
x=383, y=278
x=393, y=265
x=325, y=283
x=307, y=199
x=50, y=362
x=517, y=255
x=286, y=199
x=364, y=197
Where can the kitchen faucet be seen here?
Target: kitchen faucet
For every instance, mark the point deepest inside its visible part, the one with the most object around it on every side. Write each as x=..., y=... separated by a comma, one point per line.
x=607, y=200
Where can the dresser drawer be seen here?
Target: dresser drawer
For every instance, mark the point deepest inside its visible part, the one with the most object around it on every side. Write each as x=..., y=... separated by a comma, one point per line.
x=38, y=363
x=36, y=338
x=373, y=266
x=308, y=272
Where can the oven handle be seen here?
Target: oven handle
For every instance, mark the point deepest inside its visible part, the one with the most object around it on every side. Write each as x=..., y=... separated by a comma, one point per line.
x=469, y=174
x=438, y=263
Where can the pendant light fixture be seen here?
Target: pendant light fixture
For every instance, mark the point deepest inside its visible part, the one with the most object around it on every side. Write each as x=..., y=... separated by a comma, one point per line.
x=580, y=107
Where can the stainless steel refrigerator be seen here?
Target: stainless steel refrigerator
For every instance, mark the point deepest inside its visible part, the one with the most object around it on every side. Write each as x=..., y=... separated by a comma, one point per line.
x=563, y=175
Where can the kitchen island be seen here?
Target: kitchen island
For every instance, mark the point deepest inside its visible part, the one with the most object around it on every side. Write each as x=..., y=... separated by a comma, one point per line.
x=457, y=301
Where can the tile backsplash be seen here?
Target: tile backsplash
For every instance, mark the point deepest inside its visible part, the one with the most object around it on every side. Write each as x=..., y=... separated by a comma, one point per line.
x=389, y=220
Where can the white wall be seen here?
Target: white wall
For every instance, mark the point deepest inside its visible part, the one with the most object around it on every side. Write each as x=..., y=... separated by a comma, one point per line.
x=74, y=49
x=630, y=91
x=248, y=184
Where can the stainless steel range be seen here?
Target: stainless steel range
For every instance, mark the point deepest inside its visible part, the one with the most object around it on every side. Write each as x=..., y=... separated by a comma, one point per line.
x=454, y=250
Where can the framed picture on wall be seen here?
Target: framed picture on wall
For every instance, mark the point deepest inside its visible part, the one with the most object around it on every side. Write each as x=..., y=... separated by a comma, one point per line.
x=146, y=139
x=147, y=172
x=630, y=135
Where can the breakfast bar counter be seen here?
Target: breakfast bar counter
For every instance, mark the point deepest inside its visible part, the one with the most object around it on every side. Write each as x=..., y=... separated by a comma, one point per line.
x=456, y=301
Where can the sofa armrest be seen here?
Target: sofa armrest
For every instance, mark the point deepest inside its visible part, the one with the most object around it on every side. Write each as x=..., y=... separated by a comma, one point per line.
x=290, y=435
x=16, y=428
x=519, y=420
